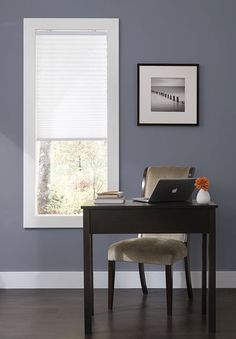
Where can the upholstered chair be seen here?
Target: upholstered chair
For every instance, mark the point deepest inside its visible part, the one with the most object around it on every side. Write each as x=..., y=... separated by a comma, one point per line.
x=161, y=249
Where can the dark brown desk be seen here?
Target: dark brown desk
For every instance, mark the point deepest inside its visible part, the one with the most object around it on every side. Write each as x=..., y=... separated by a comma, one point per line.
x=135, y=217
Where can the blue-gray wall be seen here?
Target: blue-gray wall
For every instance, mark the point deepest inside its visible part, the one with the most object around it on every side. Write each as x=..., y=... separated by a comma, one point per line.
x=157, y=31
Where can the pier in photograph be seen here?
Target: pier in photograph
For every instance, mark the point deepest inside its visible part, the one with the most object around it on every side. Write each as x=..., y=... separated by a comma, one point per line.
x=167, y=94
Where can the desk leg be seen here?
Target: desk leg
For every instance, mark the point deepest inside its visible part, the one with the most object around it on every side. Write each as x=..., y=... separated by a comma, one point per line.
x=204, y=273
x=212, y=273
x=88, y=277
x=91, y=274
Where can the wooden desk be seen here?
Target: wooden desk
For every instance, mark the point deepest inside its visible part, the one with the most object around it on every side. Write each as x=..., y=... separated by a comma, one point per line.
x=135, y=217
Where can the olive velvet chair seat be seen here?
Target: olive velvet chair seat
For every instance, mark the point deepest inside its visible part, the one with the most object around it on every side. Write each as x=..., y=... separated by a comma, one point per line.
x=161, y=249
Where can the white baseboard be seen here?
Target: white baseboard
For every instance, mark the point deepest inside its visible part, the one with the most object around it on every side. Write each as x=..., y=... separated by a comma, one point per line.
x=124, y=279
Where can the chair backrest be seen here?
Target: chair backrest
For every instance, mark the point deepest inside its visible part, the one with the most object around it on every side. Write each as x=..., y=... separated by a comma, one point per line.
x=151, y=176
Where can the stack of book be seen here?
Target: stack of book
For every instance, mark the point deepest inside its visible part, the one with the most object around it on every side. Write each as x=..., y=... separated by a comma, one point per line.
x=111, y=197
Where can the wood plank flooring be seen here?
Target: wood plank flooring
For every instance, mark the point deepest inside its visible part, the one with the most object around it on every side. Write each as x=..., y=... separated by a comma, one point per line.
x=58, y=314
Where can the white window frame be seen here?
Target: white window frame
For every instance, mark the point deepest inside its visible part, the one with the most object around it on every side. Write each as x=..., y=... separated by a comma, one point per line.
x=111, y=26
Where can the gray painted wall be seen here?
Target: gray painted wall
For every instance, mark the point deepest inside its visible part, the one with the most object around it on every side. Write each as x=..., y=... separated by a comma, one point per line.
x=158, y=31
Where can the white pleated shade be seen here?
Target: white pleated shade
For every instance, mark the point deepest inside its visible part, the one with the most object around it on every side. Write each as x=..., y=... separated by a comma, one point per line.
x=71, y=86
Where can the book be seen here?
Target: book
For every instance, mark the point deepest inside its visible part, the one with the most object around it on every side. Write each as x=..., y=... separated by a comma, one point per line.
x=110, y=194
x=109, y=201
x=107, y=196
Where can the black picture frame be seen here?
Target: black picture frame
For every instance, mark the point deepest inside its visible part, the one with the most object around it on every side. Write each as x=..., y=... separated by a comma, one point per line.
x=167, y=94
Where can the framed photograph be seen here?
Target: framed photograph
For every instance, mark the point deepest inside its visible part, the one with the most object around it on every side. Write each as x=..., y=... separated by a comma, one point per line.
x=168, y=94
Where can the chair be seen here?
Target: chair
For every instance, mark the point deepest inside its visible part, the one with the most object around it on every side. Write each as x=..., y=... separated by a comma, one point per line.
x=164, y=249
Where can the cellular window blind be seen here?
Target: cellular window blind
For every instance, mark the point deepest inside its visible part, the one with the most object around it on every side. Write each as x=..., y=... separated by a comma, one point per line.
x=71, y=85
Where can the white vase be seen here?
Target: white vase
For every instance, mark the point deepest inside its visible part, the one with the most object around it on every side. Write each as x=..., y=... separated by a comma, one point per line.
x=203, y=197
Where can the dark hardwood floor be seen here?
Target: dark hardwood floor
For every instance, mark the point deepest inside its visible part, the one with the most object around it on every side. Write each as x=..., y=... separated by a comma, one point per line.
x=58, y=314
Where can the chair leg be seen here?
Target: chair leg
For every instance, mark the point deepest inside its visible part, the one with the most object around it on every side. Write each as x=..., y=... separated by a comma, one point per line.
x=111, y=283
x=188, y=277
x=169, y=288
x=142, y=277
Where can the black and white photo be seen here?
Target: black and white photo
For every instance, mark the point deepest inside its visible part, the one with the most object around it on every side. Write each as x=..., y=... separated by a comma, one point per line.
x=167, y=94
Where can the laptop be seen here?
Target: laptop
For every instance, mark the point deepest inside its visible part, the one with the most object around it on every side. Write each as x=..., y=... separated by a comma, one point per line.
x=170, y=190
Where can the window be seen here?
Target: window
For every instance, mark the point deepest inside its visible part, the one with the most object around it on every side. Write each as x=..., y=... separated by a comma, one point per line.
x=70, y=117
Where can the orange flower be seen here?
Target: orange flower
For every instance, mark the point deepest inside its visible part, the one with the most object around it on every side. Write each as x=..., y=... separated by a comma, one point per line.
x=202, y=183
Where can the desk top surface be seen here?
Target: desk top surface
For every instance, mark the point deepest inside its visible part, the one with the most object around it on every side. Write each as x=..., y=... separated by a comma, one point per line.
x=135, y=204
